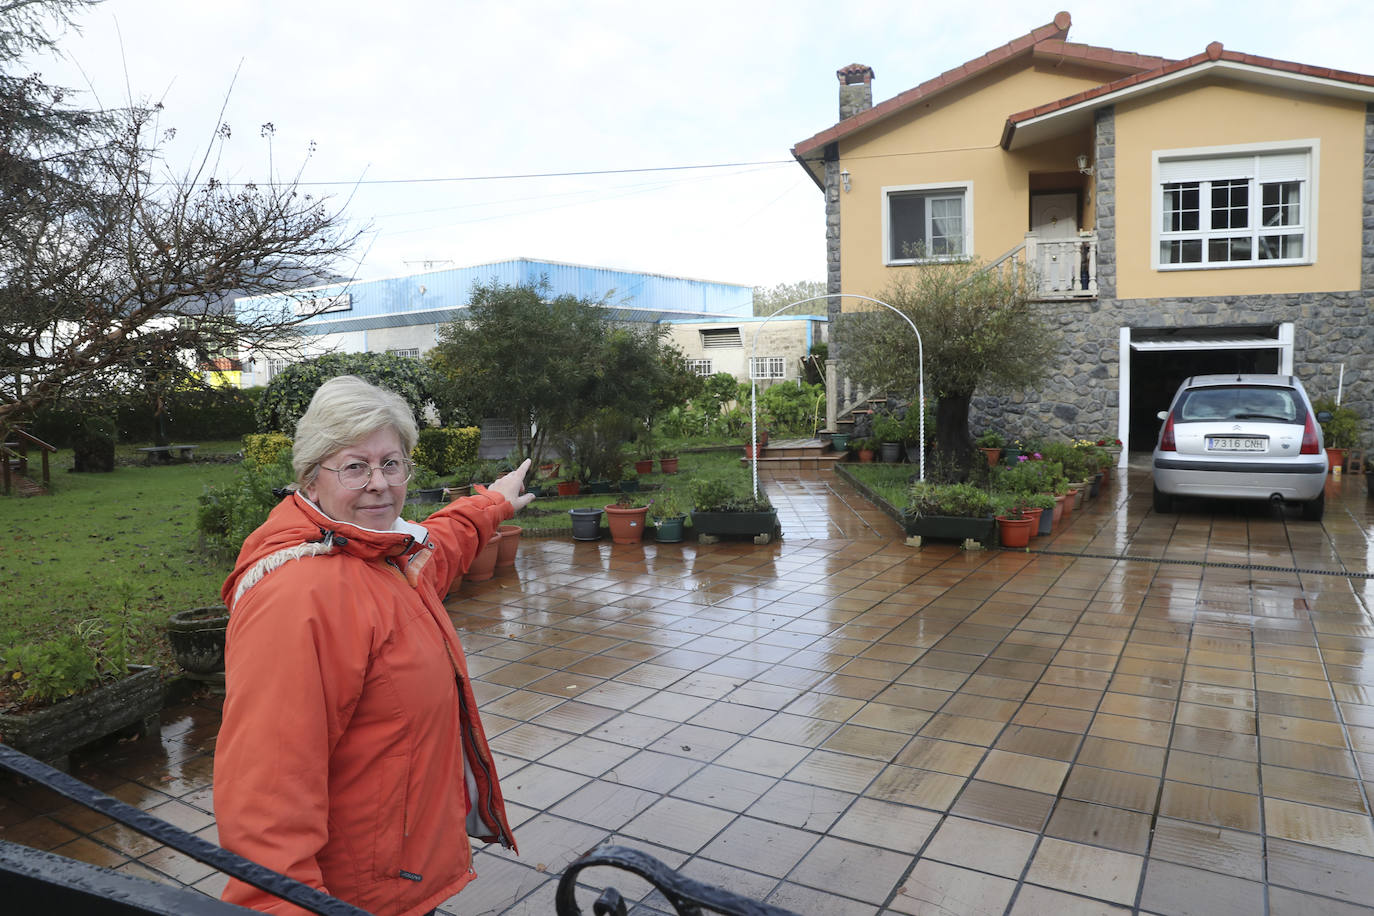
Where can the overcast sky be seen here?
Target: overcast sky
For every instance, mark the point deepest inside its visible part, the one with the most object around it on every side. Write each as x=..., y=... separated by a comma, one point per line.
x=417, y=107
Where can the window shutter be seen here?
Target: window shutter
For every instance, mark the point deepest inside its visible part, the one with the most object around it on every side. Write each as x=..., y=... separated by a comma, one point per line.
x=1283, y=167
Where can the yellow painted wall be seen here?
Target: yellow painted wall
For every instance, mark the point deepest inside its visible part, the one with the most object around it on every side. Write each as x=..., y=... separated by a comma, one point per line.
x=955, y=138
x=1224, y=114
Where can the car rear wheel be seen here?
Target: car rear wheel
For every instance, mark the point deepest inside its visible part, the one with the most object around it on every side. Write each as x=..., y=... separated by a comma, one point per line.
x=1164, y=502
x=1312, y=510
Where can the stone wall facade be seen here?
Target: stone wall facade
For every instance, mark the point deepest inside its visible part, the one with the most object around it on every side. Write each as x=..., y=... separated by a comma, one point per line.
x=1080, y=396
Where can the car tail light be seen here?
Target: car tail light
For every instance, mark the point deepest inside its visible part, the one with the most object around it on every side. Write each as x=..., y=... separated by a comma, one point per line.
x=1166, y=438
x=1309, y=437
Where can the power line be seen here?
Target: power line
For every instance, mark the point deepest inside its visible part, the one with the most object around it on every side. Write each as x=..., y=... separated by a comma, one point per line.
x=528, y=175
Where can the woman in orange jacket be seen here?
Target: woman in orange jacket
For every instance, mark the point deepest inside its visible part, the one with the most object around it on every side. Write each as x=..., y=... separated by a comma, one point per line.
x=351, y=756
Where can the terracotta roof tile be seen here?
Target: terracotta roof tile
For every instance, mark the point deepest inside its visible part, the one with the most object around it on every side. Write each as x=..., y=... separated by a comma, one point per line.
x=1213, y=52
x=1056, y=29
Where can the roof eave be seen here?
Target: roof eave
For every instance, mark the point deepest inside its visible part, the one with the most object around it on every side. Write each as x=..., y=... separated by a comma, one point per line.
x=1024, y=129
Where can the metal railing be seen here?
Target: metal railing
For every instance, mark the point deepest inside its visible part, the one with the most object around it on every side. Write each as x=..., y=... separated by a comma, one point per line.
x=33, y=881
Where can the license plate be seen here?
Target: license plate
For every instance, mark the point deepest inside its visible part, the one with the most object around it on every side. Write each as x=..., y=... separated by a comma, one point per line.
x=1237, y=444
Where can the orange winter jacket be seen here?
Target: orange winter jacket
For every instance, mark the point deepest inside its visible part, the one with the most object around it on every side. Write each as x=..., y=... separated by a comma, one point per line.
x=351, y=756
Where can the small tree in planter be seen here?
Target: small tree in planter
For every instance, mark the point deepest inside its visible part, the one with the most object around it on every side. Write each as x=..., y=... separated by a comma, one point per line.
x=1345, y=429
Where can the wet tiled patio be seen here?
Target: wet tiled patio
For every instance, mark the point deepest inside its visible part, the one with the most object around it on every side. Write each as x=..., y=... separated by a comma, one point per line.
x=1130, y=717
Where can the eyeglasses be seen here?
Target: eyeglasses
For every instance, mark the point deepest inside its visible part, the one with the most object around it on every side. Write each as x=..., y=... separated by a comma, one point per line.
x=356, y=475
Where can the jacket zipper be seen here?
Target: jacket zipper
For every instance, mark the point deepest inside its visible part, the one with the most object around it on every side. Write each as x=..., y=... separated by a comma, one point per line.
x=470, y=739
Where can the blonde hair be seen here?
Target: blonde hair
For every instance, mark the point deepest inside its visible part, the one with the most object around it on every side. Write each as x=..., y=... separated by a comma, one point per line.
x=344, y=411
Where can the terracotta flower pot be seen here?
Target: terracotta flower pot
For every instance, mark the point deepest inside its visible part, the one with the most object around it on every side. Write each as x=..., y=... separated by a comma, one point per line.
x=569, y=487
x=1035, y=519
x=994, y=455
x=667, y=465
x=484, y=564
x=626, y=524
x=866, y=455
x=1014, y=532
x=644, y=466
x=510, y=543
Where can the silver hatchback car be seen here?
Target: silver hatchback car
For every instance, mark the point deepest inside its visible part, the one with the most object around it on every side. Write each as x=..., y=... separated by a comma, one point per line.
x=1241, y=437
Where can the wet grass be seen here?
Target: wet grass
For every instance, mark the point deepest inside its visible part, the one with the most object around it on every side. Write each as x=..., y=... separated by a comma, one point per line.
x=100, y=543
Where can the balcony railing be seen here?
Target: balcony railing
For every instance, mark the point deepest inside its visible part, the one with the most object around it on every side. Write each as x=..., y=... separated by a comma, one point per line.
x=1061, y=268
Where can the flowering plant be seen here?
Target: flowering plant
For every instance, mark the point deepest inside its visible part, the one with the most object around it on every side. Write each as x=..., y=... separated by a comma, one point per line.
x=1109, y=443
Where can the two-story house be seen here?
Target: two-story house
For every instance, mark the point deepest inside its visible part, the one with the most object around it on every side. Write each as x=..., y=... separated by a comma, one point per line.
x=1212, y=214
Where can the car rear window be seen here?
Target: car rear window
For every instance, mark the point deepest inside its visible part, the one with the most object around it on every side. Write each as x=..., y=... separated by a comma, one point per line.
x=1240, y=403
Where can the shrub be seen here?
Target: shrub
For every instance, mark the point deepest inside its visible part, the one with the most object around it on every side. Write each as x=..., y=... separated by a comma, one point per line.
x=93, y=444
x=443, y=449
x=264, y=448
x=289, y=393
x=951, y=499
x=727, y=492
x=226, y=515
x=887, y=428
x=790, y=410
x=1028, y=477
x=1345, y=429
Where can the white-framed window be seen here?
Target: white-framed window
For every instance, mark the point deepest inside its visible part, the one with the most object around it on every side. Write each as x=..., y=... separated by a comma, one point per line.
x=927, y=223
x=700, y=367
x=275, y=365
x=408, y=353
x=1249, y=206
x=767, y=367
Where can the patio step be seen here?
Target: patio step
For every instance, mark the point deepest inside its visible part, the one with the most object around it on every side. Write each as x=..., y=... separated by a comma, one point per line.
x=797, y=454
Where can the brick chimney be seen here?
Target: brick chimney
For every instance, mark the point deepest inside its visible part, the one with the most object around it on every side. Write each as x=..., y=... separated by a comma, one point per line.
x=856, y=89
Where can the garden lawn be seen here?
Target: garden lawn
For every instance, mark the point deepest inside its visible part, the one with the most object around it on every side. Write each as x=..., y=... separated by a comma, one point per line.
x=892, y=482
x=103, y=541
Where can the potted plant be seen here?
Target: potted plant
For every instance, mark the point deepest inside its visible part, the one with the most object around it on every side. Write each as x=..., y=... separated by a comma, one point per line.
x=864, y=448
x=667, y=461
x=1014, y=526
x=586, y=523
x=669, y=517
x=197, y=638
x=77, y=687
x=569, y=486
x=991, y=443
x=425, y=485
x=887, y=430
x=726, y=505
x=626, y=517
x=839, y=441
x=958, y=511
x=645, y=450
x=629, y=480
x=1342, y=431
x=911, y=432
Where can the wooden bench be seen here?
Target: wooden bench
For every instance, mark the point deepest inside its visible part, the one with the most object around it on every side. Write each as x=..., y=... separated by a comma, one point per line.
x=164, y=453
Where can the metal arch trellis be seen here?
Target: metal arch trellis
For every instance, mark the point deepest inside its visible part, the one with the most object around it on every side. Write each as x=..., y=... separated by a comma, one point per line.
x=754, y=387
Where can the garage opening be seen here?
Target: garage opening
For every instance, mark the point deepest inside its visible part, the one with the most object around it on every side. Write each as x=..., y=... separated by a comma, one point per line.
x=1160, y=359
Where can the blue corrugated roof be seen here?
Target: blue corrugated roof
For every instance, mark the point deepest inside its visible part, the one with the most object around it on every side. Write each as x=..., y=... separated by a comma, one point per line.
x=425, y=295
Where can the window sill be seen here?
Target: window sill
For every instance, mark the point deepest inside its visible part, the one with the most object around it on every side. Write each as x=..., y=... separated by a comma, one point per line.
x=1241, y=265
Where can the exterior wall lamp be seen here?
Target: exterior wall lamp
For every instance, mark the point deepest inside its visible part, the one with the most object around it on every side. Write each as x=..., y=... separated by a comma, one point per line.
x=1083, y=165
x=844, y=180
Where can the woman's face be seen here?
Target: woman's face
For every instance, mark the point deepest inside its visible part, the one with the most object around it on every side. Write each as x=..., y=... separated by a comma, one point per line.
x=375, y=506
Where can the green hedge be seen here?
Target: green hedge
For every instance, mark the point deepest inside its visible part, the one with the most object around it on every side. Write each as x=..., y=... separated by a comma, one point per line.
x=442, y=449
x=215, y=413
x=263, y=449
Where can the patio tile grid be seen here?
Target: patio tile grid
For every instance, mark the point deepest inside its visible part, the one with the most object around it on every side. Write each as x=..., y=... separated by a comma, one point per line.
x=852, y=726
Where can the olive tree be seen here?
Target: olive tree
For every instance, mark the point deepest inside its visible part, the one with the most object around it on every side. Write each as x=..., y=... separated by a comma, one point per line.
x=980, y=330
